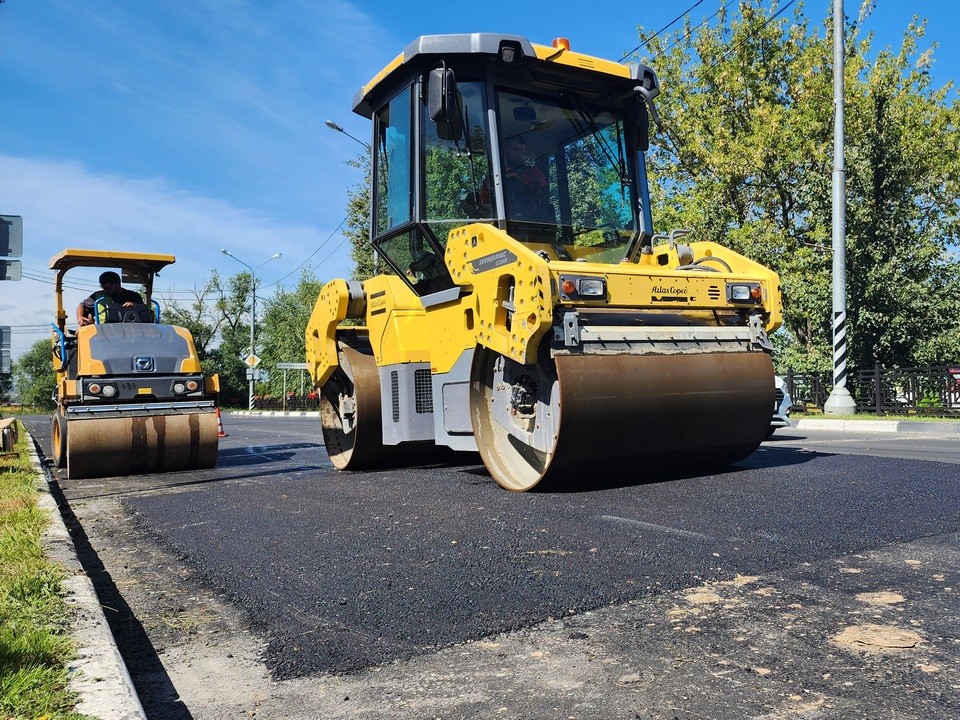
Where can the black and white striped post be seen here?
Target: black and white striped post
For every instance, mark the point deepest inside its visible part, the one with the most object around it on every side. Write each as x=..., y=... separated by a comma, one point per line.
x=840, y=401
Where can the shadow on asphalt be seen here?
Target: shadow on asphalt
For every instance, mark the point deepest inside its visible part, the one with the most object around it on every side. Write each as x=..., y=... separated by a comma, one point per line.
x=584, y=479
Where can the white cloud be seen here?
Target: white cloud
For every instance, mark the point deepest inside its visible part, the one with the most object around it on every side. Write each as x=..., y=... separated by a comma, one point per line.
x=64, y=205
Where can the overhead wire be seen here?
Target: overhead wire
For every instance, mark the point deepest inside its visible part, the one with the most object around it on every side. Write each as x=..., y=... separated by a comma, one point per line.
x=665, y=27
x=319, y=247
x=722, y=7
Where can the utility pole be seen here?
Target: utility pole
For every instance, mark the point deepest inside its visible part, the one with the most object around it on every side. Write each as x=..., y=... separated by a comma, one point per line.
x=252, y=360
x=840, y=401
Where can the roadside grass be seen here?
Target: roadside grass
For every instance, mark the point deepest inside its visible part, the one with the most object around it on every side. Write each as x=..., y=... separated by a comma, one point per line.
x=34, y=646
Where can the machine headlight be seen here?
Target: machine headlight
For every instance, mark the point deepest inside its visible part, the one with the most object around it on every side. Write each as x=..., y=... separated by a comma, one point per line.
x=591, y=287
x=109, y=390
x=744, y=292
x=580, y=287
x=179, y=388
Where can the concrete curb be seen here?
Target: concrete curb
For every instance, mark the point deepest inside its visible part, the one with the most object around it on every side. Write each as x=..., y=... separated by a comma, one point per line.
x=881, y=426
x=277, y=413
x=98, y=674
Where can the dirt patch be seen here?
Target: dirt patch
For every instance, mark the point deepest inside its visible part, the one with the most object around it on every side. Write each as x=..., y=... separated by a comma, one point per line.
x=880, y=598
x=877, y=638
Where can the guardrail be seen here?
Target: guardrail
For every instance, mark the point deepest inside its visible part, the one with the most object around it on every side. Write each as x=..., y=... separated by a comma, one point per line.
x=931, y=391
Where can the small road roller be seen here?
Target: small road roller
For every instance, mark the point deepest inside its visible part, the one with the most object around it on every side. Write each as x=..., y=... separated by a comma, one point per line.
x=525, y=307
x=131, y=397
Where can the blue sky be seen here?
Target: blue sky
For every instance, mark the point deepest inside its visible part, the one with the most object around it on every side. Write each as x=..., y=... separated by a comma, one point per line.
x=186, y=127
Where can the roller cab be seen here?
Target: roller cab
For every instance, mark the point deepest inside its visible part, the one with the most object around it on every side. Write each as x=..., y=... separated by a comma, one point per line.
x=530, y=312
x=131, y=395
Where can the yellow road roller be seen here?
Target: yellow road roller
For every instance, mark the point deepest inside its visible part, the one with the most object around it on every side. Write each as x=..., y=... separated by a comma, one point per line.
x=131, y=397
x=526, y=309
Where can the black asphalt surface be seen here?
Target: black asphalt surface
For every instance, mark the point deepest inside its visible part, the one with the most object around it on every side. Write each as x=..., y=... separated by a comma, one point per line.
x=345, y=570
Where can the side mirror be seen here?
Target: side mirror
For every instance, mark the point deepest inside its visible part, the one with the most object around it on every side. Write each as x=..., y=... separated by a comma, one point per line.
x=443, y=103
x=442, y=99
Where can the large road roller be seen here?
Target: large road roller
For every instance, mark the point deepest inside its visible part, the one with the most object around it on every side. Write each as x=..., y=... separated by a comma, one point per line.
x=131, y=397
x=526, y=309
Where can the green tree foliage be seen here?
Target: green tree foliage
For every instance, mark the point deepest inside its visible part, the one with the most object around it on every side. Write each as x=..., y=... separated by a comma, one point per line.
x=358, y=222
x=34, y=376
x=218, y=317
x=283, y=326
x=745, y=158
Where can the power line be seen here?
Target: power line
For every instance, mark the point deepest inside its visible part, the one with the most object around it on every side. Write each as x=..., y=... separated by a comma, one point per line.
x=665, y=27
x=744, y=40
x=319, y=247
x=697, y=27
x=732, y=49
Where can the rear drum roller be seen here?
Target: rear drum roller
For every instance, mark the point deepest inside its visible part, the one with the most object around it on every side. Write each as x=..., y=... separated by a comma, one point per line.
x=515, y=414
x=350, y=410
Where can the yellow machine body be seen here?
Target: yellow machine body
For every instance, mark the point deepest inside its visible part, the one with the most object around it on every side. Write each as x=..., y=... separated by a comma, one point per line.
x=131, y=395
x=555, y=333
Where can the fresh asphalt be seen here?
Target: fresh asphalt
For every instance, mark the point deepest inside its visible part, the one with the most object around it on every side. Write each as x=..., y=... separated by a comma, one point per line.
x=341, y=571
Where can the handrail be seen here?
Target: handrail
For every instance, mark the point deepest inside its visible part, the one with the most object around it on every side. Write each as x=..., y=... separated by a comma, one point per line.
x=63, y=346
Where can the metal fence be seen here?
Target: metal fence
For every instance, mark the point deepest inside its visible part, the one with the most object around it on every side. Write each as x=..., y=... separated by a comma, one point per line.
x=290, y=402
x=885, y=391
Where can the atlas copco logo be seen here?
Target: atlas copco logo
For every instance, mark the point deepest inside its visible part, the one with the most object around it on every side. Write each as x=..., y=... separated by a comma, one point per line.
x=659, y=290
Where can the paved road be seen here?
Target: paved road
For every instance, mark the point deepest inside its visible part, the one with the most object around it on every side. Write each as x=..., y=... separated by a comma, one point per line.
x=341, y=571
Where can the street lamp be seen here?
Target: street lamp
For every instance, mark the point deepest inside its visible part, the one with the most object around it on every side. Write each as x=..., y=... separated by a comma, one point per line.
x=339, y=128
x=253, y=310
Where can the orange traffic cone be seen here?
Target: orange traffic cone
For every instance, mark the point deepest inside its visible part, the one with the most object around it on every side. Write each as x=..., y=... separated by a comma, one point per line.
x=220, y=432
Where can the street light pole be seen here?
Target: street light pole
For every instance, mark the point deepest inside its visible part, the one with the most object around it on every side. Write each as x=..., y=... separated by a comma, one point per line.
x=339, y=128
x=253, y=311
x=840, y=402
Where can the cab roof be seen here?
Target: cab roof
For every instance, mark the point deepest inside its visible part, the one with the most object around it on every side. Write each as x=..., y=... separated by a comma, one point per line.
x=564, y=62
x=131, y=262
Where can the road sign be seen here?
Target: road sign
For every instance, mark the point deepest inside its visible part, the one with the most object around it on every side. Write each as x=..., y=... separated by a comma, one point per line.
x=11, y=235
x=11, y=269
x=252, y=360
x=291, y=366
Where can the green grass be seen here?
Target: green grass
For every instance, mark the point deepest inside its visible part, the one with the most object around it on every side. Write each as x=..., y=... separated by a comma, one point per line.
x=34, y=646
x=925, y=417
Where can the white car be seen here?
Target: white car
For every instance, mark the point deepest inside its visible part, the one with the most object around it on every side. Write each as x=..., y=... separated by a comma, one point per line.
x=781, y=406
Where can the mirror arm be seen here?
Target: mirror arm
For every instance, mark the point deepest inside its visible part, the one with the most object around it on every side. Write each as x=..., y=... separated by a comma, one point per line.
x=648, y=96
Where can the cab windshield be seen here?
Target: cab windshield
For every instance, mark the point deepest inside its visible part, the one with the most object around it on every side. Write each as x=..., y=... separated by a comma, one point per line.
x=566, y=176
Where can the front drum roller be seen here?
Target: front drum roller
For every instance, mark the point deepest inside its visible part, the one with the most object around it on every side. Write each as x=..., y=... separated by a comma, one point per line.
x=350, y=409
x=58, y=439
x=105, y=447
x=578, y=418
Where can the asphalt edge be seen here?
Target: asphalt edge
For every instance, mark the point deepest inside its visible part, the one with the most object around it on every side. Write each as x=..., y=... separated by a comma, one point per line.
x=947, y=427
x=97, y=674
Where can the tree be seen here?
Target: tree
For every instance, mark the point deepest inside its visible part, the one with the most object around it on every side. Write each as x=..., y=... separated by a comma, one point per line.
x=284, y=325
x=218, y=318
x=358, y=221
x=34, y=376
x=745, y=158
